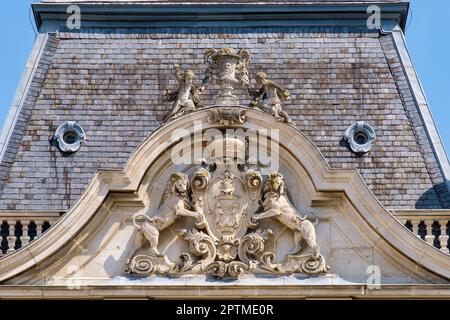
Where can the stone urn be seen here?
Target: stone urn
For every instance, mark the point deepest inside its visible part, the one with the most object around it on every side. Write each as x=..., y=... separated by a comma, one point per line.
x=228, y=68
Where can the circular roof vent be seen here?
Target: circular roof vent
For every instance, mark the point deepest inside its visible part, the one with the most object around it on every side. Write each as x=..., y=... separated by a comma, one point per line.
x=69, y=136
x=360, y=137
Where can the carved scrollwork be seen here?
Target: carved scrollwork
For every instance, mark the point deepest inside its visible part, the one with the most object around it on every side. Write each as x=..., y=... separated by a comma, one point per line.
x=226, y=248
x=187, y=265
x=313, y=265
x=199, y=182
x=148, y=265
x=237, y=268
x=232, y=270
x=253, y=248
x=227, y=116
x=267, y=259
x=252, y=245
x=201, y=245
x=253, y=181
x=218, y=269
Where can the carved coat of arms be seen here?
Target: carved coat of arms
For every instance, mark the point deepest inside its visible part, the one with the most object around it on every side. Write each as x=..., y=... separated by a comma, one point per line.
x=230, y=206
x=227, y=204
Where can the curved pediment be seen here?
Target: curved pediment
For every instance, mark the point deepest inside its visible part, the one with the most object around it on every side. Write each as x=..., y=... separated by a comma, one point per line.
x=97, y=239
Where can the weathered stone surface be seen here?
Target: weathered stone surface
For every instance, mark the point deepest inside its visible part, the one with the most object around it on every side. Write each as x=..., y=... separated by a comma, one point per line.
x=112, y=83
x=93, y=242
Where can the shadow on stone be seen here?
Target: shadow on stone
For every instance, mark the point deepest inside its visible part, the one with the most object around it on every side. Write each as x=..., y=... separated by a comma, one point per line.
x=437, y=197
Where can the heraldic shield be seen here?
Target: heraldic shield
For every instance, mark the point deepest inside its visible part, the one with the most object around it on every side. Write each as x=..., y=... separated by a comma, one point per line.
x=230, y=198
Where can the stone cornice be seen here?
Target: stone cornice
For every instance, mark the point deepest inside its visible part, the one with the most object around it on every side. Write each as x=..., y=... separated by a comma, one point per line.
x=224, y=291
x=51, y=16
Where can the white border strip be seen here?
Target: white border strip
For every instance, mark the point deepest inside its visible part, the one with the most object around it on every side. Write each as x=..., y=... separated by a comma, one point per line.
x=422, y=104
x=21, y=92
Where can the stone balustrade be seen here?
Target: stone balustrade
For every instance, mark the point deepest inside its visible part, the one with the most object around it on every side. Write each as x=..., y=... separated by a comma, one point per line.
x=18, y=228
x=432, y=226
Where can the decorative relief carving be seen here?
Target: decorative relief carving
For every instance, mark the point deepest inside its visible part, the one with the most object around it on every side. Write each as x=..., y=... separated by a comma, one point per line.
x=176, y=203
x=227, y=116
x=227, y=68
x=276, y=204
x=269, y=97
x=226, y=237
x=186, y=98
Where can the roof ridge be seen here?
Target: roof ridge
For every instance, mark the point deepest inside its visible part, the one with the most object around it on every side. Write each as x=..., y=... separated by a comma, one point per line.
x=226, y=1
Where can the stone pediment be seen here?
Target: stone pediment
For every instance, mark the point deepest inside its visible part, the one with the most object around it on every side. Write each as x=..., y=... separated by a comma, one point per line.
x=228, y=226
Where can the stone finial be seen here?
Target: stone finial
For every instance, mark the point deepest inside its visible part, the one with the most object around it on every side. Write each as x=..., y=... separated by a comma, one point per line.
x=229, y=69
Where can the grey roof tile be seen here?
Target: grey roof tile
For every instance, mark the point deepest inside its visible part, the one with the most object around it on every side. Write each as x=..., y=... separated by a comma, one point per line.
x=111, y=82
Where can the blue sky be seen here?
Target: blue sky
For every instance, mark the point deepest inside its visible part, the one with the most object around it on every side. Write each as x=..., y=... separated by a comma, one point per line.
x=427, y=35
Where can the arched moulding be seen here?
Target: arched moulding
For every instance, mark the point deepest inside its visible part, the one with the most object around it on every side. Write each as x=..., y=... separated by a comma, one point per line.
x=377, y=229
x=69, y=136
x=360, y=137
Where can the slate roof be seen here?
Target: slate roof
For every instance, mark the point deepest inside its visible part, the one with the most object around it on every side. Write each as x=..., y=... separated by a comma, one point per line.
x=111, y=81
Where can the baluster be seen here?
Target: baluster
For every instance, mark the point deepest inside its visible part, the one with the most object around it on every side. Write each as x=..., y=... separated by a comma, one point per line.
x=415, y=227
x=39, y=225
x=11, y=237
x=25, y=238
x=443, y=238
x=429, y=238
x=2, y=223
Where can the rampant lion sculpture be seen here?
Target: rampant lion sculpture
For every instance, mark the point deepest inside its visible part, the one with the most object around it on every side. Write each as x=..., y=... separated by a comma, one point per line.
x=176, y=203
x=276, y=204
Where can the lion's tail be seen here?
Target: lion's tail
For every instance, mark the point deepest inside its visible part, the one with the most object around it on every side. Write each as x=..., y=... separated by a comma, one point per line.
x=137, y=216
x=309, y=217
x=316, y=221
x=316, y=251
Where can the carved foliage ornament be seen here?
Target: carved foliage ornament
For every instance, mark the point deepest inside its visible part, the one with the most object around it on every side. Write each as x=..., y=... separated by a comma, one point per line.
x=227, y=116
x=227, y=207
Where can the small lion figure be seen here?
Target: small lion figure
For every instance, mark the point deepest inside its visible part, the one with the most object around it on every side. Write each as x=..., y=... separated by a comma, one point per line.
x=176, y=203
x=276, y=204
x=270, y=97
